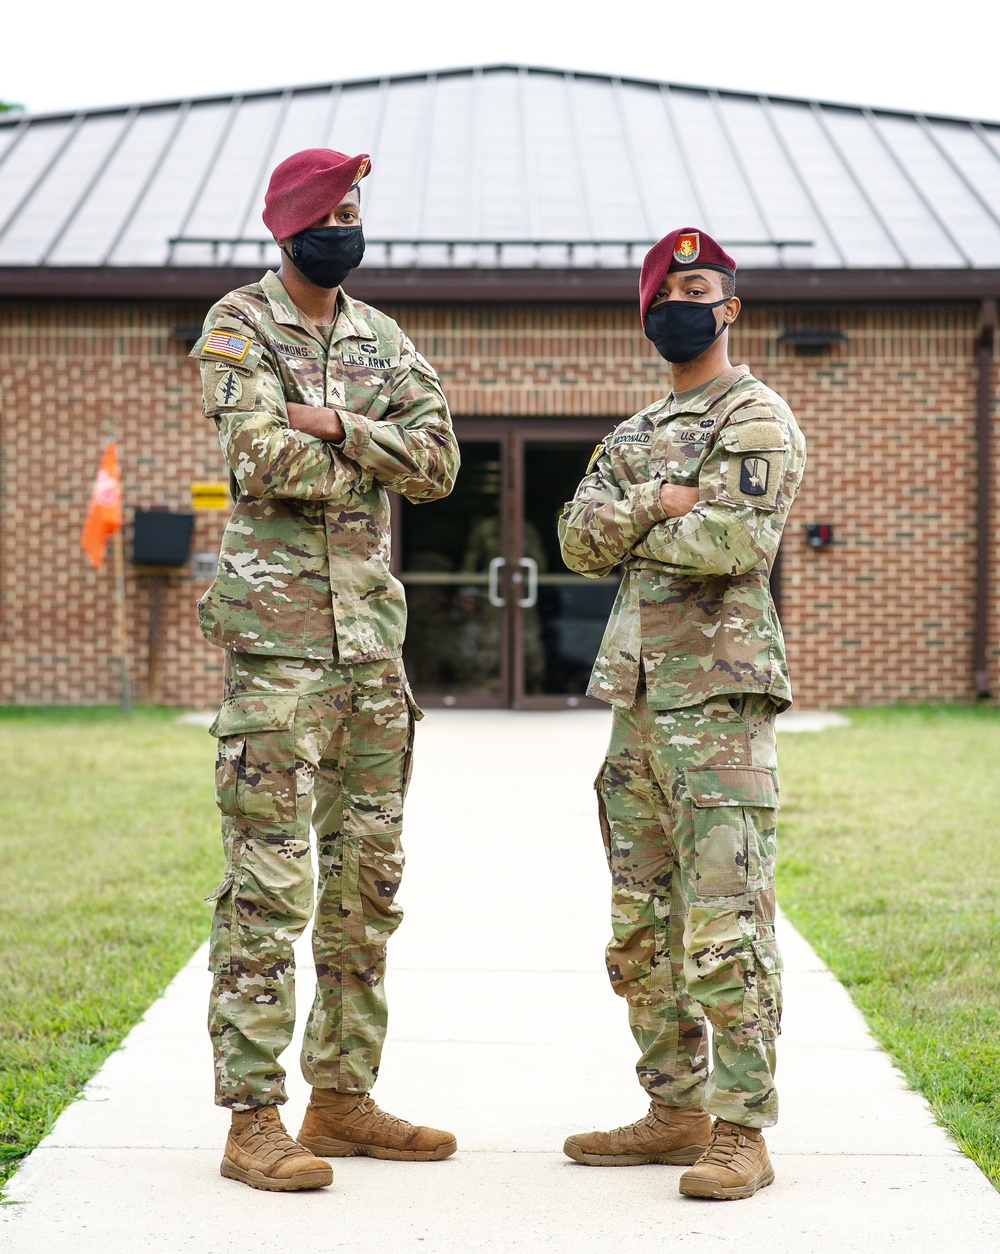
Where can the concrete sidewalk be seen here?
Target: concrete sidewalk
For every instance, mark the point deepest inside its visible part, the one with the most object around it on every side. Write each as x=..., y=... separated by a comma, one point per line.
x=503, y=1028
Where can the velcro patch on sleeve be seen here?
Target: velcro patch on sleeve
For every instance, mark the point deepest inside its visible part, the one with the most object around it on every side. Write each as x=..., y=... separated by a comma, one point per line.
x=754, y=435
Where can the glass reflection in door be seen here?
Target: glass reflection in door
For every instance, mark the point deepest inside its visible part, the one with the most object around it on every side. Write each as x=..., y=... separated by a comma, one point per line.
x=450, y=566
x=564, y=614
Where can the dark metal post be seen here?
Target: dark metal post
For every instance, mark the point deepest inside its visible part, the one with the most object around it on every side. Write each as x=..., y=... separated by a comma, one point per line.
x=984, y=483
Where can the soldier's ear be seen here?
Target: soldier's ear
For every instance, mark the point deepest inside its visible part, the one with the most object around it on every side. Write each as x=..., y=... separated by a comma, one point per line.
x=731, y=310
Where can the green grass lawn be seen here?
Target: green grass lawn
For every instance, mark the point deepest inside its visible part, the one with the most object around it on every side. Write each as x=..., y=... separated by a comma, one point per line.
x=108, y=843
x=889, y=844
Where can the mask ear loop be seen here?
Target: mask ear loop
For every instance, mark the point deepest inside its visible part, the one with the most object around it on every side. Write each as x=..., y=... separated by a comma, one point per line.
x=725, y=324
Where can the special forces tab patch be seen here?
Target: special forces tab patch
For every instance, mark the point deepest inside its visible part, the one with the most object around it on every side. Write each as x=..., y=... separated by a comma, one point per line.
x=225, y=344
x=754, y=474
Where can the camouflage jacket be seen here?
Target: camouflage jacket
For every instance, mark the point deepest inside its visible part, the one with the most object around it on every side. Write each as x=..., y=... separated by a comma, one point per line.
x=304, y=566
x=694, y=609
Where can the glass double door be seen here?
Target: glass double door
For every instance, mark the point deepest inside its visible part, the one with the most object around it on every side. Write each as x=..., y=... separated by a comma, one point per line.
x=495, y=618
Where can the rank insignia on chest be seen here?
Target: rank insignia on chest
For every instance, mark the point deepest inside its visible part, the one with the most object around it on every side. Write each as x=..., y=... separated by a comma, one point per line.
x=224, y=344
x=754, y=475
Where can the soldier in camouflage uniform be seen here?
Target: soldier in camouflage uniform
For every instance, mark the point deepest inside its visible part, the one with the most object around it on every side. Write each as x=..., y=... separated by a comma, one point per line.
x=323, y=406
x=690, y=496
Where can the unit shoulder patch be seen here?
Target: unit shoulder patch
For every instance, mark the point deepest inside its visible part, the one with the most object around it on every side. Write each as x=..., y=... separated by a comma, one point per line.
x=754, y=474
x=754, y=478
x=228, y=390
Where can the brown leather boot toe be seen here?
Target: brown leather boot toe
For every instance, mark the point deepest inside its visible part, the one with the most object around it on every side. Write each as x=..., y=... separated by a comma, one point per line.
x=735, y=1165
x=675, y=1135
x=339, y=1125
x=259, y=1152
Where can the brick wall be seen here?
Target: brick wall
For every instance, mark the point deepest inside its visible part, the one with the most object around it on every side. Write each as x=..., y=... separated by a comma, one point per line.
x=65, y=371
x=886, y=614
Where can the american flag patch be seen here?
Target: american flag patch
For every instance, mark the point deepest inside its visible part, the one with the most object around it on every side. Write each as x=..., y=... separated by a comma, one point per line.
x=222, y=344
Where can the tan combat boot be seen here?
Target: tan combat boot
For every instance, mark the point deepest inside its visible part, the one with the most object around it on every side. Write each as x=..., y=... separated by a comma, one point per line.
x=338, y=1125
x=668, y=1134
x=734, y=1165
x=261, y=1153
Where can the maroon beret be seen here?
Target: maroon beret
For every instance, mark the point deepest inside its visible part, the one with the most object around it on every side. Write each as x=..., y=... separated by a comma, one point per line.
x=684, y=249
x=307, y=186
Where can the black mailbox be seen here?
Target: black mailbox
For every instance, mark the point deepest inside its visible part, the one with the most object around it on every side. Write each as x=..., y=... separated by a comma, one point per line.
x=161, y=538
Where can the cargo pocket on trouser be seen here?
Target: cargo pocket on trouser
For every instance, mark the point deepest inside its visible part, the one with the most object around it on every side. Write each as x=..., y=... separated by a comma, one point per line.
x=256, y=772
x=416, y=714
x=638, y=957
x=762, y=1001
x=733, y=811
x=262, y=791
x=602, y=814
x=220, y=949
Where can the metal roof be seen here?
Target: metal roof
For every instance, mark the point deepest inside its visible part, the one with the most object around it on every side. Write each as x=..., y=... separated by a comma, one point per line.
x=509, y=166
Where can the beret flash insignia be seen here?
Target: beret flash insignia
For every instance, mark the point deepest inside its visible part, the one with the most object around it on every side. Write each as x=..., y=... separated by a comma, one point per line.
x=687, y=248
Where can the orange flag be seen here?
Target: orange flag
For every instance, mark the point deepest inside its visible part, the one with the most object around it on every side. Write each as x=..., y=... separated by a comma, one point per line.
x=104, y=515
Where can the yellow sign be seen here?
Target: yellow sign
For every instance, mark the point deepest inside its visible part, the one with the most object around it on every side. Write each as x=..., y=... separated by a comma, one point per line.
x=210, y=496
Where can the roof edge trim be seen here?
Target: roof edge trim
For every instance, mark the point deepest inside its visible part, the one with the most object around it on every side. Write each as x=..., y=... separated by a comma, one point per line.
x=512, y=67
x=536, y=286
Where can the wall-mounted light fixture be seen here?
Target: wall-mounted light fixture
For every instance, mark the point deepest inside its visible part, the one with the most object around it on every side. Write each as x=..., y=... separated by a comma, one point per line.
x=819, y=535
x=812, y=343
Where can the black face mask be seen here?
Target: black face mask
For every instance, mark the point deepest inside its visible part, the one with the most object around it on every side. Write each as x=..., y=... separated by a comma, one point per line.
x=681, y=330
x=326, y=255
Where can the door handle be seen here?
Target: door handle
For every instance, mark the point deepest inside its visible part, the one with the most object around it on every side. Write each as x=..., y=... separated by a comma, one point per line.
x=530, y=598
x=493, y=582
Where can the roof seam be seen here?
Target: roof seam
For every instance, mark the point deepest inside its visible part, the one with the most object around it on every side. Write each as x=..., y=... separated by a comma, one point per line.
x=713, y=98
x=637, y=176
x=528, y=156
x=42, y=175
x=766, y=105
x=81, y=200
x=668, y=106
x=263, y=165
x=872, y=121
x=147, y=183
x=817, y=111
x=210, y=165
x=925, y=126
x=574, y=130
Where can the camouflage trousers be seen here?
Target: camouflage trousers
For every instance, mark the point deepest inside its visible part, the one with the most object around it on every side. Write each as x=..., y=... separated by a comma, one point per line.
x=688, y=802
x=299, y=742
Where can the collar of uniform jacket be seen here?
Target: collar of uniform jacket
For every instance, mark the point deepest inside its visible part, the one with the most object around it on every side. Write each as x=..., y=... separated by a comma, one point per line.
x=719, y=386
x=349, y=321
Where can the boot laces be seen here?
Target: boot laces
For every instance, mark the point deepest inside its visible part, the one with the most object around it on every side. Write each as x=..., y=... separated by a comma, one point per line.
x=649, y=1120
x=724, y=1145
x=271, y=1129
x=392, y=1123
